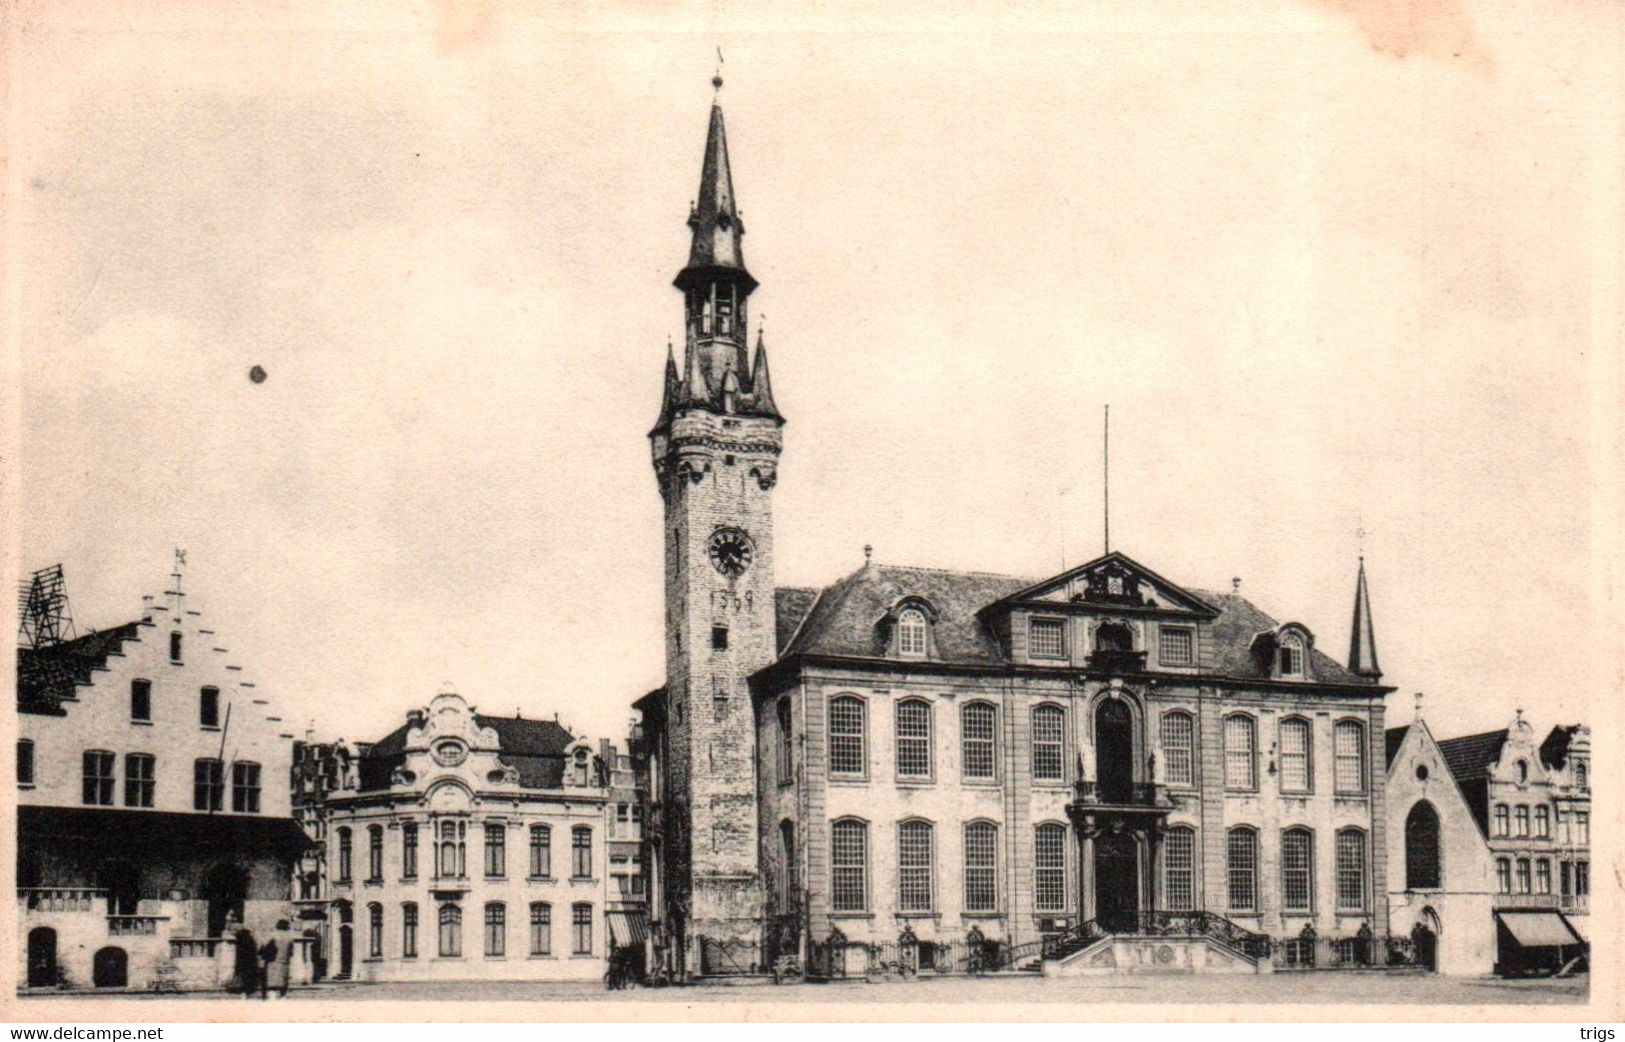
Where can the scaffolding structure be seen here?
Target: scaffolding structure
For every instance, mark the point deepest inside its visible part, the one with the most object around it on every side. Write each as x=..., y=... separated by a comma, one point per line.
x=42, y=605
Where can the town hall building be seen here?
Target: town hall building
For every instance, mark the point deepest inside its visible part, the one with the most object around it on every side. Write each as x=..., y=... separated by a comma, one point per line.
x=917, y=756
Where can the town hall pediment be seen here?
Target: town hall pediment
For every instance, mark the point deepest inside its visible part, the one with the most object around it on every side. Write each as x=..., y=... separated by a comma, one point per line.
x=1114, y=583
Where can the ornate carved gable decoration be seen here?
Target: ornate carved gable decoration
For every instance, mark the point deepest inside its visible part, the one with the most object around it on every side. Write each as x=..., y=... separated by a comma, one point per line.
x=450, y=746
x=1117, y=584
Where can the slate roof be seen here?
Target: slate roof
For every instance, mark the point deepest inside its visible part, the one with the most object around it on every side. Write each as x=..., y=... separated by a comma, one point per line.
x=535, y=747
x=46, y=676
x=841, y=620
x=1554, y=751
x=1467, y=757
x=1393, y=738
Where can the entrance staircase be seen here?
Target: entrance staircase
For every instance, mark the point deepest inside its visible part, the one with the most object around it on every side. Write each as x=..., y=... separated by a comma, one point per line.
x=1157, y=942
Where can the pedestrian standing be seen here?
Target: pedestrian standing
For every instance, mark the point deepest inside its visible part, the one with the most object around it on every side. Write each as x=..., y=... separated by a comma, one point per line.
x=245, y=964
x=279, y=965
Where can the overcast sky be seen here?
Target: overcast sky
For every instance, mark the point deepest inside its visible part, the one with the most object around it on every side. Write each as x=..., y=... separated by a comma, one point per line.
x=1331, y=264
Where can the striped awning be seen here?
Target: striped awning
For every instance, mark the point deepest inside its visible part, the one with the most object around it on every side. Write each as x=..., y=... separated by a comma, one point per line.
x=1539, y=929
x=628, y=929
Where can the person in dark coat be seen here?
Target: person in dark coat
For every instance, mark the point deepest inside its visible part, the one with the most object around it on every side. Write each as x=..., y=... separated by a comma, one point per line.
x=278, y=957
x=246, y=963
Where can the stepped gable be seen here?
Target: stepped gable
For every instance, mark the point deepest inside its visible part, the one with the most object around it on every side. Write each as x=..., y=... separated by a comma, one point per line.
x=46, y=677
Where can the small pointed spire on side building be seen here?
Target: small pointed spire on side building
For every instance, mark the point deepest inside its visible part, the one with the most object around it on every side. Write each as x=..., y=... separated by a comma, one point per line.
x=1363, y=636
x=761, y=385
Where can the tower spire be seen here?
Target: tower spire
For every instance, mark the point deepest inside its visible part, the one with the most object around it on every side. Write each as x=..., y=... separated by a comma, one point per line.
x=1363, y=636
x=761, y=385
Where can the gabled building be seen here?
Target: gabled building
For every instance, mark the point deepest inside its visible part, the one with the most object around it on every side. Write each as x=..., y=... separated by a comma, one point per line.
x=1532, y=804
x=918, y=756
x=1441, y=876
x=152, y=816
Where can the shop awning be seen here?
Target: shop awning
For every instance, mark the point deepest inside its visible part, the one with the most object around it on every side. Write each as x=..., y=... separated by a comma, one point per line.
x=1539, y=929
x=160, y=833
x=1580, y=925
x=628, y=929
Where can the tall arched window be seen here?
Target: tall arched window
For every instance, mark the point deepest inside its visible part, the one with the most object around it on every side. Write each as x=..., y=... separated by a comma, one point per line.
x=1290, y=655
x=1049, y=743
x=375, y=853
x=342, y=874
x=787, y=858
x=1351, y=870
x=1178, y=748
x=914, y=758
x=847, y=753
x=450, y=860
x=849, y=866
x=1295, y=767
x=541, y=851
x=1503, y=820
x=976, y=739
x=1503, y=875
x=1049, y=867
x=1179, y=869
x=1422, y=847
x=375, y=931
x=451, y=930
x=409, y=930
x=981, y=867
x=782, y=711
x=1582, y=776
x=496, y=929
x=1241, y=869
x=1297, y=870
x=1240, y=752
x=911, y=633
x=914, y=867
x=541, y=928
x=1348, y=745
x=581, y=852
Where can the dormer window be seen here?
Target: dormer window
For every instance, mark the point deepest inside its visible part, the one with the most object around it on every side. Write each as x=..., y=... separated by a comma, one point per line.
x=911, y=633
x=1046, y=638
x=1290, y=655
x=581, y=767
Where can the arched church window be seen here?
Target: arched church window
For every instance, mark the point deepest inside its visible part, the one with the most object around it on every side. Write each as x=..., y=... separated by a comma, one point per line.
x=1422, y=847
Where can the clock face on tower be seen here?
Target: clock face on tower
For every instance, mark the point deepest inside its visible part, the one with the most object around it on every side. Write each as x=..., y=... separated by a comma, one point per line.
x=731, y=551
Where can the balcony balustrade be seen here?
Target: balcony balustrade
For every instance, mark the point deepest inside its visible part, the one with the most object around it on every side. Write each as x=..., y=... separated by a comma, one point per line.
x=62, y=898
x=134, y=925
x=1136, y=794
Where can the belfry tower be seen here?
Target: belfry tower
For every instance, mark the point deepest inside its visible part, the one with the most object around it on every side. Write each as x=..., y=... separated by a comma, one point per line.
x=716, y=450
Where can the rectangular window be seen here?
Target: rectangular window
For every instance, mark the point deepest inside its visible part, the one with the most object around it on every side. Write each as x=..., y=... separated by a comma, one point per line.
x=1566, y=873
x=1295, y=755
x=541, y=929
x=846, y=745
x=581, y=852
x=245, y=788
x=719, y=638
x=1582, y=829
x=451, y=931
x=1348, y=740
x=1176, y=646
x=913, y=739
x=1241, y=869
x=409, y=850
x=1179, y=748
x=1503, y=875
x=98, y=778
x=409, y=931
x=976, y=723
x=1049, y=743
x=1049, y=868
x=174, y=647
x=1502, y=820
x=1582, y=878
x=541, y=851
x=581, y=924
x=1523, y=876
x=139, y=773
x=1351, y=871
x=496, y=930
x=1543, y=822
x=849, y=863
x=208, y=785
x=1520, y=815
x=1297, y=870
x=1240, y=761
x=375, y=931
x=25, y=762
x=981, y=867
x=914, y=867
x=1543, y=876
x=141, y=701
x=208, y=707
x=1179, y=870
x=1046, y=638
x=496, y=851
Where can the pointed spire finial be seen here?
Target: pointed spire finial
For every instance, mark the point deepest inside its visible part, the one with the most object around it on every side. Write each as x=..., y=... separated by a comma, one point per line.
x=1362, y=633
x=868, y=553
x=716, y=80
x=1419, y=705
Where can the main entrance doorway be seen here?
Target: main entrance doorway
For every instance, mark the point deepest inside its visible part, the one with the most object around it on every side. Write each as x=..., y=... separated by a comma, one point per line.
x=41, y=957
x=1117, y=882
x=1114, y=751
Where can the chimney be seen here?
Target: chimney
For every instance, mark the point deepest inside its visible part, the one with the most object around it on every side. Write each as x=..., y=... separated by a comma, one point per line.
x=1235, y=584
x=416, y=717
